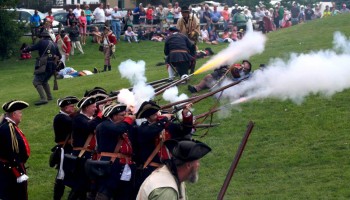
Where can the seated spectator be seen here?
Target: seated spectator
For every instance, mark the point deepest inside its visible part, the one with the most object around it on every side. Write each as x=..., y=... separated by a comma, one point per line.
x=213, y=36
x=204, y=34
x=234, y=72
x=96, y=35
x=157, y=37
x=234, y=34
x=225, y=37
x=286, y=19
x=141, y=33
x=129, y=35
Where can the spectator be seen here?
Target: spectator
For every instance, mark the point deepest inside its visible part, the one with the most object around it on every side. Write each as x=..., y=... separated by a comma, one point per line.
x=326, y=12
x=177, y=12
x=334, y=10
x=286, y=19
x=234, y=34
x=162, y=16
x=170, y=15
x=309, y=13
x=204, y=34
x=318, y=13
x=280, y=13
x=234, y=10
x=74, y=37
x=70, y=17
x=215, y=17
x=276, y=18
x=136, y=14
x=128, y=19
x=149, y=15
x=226, y=16
x=213, y=36
x=130, y=36
x=49, y=18
x=142, y=19
x=115, y=22
x=206, y=16
x=99, y=15
x=200, y=14
x=344, y=9
x=157, y=14
x=302, y=14
x=225, y=37
x=77, y=11
x=240, y=20
x=295, y=11
x=82, y=27
x=88, y=14
x=96, y=35
x=141, y=33
x=35, y=25
x=259, y=16
x=108, y=15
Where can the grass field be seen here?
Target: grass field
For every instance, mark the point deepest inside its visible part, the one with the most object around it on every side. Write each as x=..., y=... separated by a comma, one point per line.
x=294, y=152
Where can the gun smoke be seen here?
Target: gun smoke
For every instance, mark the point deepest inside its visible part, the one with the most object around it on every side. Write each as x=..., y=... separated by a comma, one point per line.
x=323, y=72
x=251, y=44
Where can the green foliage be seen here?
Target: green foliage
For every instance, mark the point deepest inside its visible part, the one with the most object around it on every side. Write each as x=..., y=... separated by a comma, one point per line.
x=10, y=33
x=294, y=151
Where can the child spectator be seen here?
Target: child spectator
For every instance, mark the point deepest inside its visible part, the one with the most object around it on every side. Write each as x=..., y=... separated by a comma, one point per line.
x=149, y=15
x=225, y=37
x=205, y=34
x=96, y=35
x=129, y=35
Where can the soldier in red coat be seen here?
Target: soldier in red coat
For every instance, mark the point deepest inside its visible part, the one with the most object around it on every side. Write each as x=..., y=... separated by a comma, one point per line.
x=108, y=41
x=14, y=152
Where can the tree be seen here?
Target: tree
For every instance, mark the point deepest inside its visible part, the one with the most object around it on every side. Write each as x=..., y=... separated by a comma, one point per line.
x=10, y=31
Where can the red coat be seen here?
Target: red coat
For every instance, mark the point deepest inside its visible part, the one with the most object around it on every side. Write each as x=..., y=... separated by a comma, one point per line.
x=66, y=41
x=111, y=38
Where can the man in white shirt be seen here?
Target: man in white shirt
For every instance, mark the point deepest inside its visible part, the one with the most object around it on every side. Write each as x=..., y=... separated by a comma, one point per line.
x=108, y=14
x=77, y=11
x=115, y=22
x=177, y=12
x=99, y=15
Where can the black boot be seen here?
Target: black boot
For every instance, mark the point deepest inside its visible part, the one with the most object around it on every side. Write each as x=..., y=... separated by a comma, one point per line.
x=109, y=68
x=58, y=190
x=105, y=68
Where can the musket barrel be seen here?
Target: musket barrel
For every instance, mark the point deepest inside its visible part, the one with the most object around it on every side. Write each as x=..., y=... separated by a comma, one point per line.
x=173, y=84
x=235, y=161
x=106, y=100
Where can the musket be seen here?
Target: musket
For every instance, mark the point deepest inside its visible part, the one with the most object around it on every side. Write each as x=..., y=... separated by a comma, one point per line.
x=106, y=100
x=207, y=113
x=235, y=161
x=164, y=86
x=201, y=97
x=206, y=125
x=221, y=78
x=173, y=84
x=166, y=106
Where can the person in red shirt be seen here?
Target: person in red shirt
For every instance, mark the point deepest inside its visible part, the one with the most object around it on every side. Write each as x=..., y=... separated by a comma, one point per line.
x=149, y=15
x=82, y=27
x=49, y=18
x=109, y=41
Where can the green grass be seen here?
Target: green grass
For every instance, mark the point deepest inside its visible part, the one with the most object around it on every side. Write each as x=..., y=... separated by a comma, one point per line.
x=294, y=152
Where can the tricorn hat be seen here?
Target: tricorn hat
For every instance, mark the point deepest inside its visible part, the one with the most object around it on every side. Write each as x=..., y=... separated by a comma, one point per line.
x=114, y=109
x=185, y=9
x=14, y=105
x=67, y=101
x=100, y=96
x=147, y=109
x=173, y=29
x=86, y=101
x=187, y=150
x=95, y=90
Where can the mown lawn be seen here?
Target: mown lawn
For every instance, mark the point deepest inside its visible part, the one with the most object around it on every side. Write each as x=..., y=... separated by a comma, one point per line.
x=294, y=152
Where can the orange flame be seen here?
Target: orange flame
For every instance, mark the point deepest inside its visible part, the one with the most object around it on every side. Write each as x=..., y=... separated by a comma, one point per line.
x=209, y=65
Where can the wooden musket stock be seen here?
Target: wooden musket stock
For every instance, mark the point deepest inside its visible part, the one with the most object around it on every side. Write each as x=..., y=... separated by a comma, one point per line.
x=106, y=100
x=235, y=161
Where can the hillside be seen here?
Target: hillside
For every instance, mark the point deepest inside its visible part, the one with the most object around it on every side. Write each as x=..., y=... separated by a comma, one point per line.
x=296, y=151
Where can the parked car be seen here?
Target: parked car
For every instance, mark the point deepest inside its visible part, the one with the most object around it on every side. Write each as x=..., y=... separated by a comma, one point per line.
x=61, y=16
x=24, y=15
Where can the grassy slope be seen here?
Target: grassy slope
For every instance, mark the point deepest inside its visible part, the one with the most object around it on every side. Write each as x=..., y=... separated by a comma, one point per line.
x=294, y=152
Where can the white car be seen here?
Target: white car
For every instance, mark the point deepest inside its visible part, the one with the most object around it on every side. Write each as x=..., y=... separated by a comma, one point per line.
x=24, y=15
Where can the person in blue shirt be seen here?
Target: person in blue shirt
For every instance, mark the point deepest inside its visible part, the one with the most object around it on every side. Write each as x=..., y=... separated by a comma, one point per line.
x=215, y=17
x=35, y=25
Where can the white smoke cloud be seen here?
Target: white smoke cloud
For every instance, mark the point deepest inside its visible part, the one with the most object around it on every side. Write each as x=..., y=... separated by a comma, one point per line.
x=324, y=72
x=135, y=73
x=127, y=97
x=172, y=95
x=251, y=44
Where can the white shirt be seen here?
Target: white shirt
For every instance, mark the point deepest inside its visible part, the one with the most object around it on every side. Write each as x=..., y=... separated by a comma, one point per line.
x=109, y=11
x=116, y=15
x=77, y=13
x=99, y=15
x=177, y=12
x=205, y=34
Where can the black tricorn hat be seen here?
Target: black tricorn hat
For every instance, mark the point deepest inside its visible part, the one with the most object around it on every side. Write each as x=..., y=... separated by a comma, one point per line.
x=100, y=96
x=187, y=150
x=67, y=101
x=147, y=109
x=14, y=105
x=173, y=29
x=95, y=90
x=185, y=9
x=114, y=109
x=86, y=101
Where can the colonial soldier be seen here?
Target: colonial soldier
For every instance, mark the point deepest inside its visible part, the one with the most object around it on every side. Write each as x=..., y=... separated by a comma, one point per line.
x=179, y=51
x=14, y=152
x=109, y=41
x=62, y=125
x=45, y=66
x=188, y=24
x=167, y=182
x=83, y=145
x=151, y=153
x=113, y=144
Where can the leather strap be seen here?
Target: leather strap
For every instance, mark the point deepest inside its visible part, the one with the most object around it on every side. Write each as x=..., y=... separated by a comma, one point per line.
x=87, y=142
x=154, y=153
x=179, y=50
